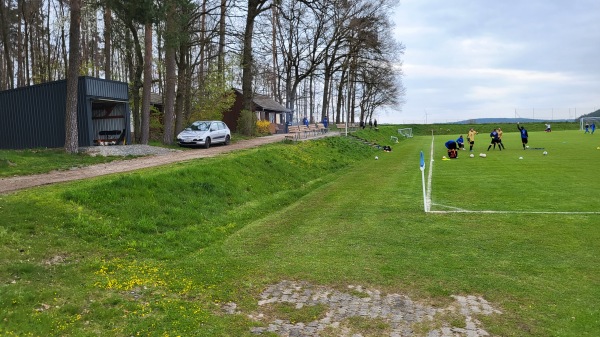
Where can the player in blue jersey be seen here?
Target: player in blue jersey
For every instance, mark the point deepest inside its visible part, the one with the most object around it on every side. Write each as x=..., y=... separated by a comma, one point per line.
x=495, y=140
x=524, y=135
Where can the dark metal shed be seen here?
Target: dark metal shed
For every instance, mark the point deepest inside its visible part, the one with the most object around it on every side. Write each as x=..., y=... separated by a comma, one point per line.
x=34, y=116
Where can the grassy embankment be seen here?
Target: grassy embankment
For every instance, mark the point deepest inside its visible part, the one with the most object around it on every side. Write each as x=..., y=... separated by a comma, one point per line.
x=158, y=251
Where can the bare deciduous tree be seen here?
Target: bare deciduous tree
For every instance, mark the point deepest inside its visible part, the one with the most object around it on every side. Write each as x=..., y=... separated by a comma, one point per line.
x=320, y=58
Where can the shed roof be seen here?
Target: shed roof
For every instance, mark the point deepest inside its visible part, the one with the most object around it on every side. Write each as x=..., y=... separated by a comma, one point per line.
x=266, y=103
x=156, y=98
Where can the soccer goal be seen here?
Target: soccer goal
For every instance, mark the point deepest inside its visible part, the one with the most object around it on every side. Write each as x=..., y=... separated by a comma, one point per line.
x=406, y=132
x=589, y=121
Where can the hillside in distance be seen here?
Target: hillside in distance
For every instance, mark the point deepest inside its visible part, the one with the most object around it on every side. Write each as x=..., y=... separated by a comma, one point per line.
x=511, y=120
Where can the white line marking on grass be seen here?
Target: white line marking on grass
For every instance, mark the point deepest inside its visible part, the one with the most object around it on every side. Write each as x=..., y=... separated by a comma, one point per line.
x=460, y=210
x=515, y=212
x=450, y=207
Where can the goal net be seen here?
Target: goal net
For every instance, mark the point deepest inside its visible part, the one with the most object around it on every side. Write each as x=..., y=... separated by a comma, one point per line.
x=406, y=132
x=589, y=121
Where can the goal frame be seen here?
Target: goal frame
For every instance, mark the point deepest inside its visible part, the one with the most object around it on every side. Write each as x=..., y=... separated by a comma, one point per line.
x=406, y=132
x=583, y=120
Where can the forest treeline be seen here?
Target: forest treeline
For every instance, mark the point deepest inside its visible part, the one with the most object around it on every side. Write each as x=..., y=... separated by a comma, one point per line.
x=334, y=58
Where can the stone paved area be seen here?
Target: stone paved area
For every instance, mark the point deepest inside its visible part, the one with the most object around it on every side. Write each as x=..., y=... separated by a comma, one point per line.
x=399, y=311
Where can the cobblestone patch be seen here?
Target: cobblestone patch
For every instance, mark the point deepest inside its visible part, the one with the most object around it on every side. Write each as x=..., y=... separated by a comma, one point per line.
x=399, y=311
x=126, y=150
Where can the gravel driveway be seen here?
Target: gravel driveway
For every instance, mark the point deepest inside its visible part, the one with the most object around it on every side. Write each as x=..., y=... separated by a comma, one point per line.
x=155, y=156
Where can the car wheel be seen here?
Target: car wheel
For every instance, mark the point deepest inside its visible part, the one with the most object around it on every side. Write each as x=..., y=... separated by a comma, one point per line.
x=207, y=143
x=227, y=140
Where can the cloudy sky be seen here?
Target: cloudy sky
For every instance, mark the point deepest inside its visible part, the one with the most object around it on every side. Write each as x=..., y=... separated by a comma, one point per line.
x=489, y=58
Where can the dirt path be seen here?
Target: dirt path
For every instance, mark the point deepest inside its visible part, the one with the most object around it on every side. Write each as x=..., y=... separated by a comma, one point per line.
x=23, y=182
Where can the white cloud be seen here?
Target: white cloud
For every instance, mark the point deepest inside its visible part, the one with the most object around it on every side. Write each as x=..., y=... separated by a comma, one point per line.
x=492, y=58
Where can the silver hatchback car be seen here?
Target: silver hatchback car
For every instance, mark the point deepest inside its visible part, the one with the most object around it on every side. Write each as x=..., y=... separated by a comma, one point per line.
x=204, y=133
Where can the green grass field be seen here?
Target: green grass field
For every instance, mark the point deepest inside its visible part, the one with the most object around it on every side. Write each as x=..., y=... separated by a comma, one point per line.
x=160, y=252
x=561, y=181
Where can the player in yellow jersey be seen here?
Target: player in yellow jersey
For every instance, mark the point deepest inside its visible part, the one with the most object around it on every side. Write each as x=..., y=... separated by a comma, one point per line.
x=500, y=144
x=471, y=138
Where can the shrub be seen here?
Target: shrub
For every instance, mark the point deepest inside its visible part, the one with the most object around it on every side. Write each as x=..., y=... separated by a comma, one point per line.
x=262, y=127
x=247, y=123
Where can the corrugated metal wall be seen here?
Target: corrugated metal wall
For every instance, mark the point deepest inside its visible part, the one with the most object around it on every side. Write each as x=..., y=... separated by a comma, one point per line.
x=29, y=119
x=34, y=116
x=107, y=89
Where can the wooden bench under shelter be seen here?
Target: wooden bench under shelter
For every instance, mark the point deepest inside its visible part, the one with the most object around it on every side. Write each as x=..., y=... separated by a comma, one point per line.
x=321, y=127
x=293, y=133
x=351, y=126
x=110, y=137
x=304, y=130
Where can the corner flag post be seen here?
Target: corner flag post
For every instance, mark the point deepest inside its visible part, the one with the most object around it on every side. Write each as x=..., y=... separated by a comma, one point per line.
x=422, y=166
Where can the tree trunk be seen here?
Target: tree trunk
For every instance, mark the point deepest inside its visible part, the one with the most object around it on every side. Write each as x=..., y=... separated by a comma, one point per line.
x=27, y=78
x=221, y=52
x=63, y=40
x=6, y=42
x=326, y=80
x=147, y=84
x=311, y=99
x=160, y=51
x=180, y=94
x=71, y=136
x=187, y=92
x=350, y=89
x=30, y=41
x=170, y=75
x=276, y=77
x=340, y=97
x=48, y=45
x=20, y=62
x=202, y=70
x=247, y=61
x=107, y=43
x=137, y=71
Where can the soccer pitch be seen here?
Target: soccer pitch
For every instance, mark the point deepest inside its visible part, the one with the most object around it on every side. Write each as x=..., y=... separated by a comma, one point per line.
x=516, y=180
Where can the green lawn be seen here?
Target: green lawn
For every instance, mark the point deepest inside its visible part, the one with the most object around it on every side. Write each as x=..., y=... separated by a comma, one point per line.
x=43, y=160
x=35, y=161
x=563, y=180
x=158, y=252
